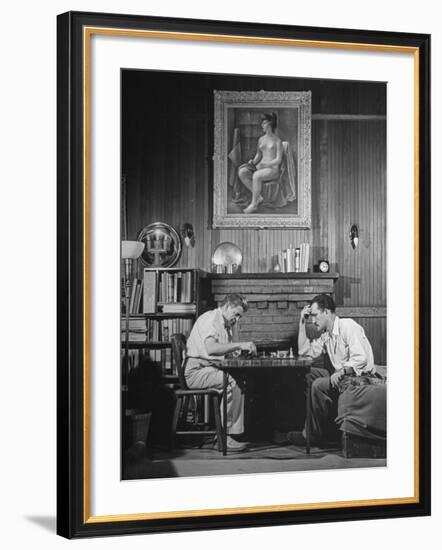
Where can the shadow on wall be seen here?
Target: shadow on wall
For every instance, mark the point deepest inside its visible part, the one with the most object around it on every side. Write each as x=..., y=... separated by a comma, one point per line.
x=48, y=523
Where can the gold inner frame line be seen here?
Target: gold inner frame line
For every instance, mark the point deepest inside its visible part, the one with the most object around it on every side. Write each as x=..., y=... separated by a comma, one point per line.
x=206, y=37
x=87, y=34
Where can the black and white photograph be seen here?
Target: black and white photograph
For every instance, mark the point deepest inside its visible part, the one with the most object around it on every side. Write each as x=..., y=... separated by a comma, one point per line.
x=253, y=274
x=244, y=274
x=221, y=275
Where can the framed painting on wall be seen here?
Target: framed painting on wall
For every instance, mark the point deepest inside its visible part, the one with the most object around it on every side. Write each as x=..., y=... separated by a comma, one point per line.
x=262, y=159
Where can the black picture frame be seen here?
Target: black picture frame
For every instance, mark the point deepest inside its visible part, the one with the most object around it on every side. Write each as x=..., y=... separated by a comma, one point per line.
x=73, y=499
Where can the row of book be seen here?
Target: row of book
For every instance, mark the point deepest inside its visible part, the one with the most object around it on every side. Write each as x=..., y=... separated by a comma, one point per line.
x=162, y=357
x=153, y=330
x=294, y=260
x=175, y=287
x=162, y=330
x=174, y=291
x=136, y=293
x=137, y=329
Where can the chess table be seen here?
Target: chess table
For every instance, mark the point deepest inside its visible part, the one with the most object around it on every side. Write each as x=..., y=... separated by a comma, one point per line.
x=251, y=366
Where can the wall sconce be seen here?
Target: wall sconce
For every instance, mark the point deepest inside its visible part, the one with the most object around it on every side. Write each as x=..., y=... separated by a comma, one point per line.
x=354, y=236
x=188, y=235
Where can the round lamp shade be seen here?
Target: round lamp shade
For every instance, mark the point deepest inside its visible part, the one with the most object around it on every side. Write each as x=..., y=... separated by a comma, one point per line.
x=131, y=249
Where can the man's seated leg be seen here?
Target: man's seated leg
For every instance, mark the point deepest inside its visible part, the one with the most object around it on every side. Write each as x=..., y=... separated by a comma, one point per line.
x=211, y=377
x=323, y=412
x=299, y=437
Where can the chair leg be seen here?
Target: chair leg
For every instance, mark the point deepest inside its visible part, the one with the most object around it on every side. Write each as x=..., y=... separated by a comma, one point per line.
x=218, y=423
x=176, y=416
x=308, y=412
x=197, y=402
x=185, y=408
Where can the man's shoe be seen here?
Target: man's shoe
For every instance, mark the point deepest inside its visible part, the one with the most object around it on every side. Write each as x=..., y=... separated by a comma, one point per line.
x=280, y=438
x=296, y=438
x=235, y=446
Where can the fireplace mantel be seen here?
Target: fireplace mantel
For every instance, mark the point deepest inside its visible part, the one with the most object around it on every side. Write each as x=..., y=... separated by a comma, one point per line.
x=275, y=301
x=274, y=275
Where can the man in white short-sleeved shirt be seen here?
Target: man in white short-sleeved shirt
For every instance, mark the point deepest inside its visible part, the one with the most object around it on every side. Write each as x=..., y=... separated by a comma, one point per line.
x=209, y=340
x=349, y=352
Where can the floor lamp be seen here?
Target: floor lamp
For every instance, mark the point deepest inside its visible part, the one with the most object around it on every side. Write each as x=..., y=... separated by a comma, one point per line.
x=130, y=252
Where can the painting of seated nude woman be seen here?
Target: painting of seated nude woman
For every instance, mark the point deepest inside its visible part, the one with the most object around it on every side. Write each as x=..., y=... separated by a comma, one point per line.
x=262, y=176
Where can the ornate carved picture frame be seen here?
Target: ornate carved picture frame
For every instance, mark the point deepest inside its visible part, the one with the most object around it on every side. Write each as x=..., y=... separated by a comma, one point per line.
x=285, y=191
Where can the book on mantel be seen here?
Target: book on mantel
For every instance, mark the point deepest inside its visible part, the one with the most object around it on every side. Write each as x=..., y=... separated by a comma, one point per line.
x=295, y=260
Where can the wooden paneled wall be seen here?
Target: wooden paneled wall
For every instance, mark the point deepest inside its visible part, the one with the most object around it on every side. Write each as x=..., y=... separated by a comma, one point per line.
x=167, y=129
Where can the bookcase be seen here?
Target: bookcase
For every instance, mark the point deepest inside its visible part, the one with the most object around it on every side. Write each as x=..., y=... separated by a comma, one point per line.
x=172, y=298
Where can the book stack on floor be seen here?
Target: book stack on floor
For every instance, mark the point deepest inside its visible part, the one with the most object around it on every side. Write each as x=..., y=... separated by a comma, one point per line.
x=294, y=260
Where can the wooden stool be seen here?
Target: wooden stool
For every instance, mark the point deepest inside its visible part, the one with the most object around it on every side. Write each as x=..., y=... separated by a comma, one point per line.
x=354, y=446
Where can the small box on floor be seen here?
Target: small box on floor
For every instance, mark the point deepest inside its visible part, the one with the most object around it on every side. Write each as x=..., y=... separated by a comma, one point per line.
x=354, y=446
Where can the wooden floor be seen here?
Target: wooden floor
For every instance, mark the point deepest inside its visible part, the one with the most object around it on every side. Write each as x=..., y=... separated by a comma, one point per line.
x=259, y=458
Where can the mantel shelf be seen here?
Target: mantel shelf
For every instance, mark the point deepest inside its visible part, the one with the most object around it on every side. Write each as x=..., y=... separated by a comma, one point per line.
x=273, y=275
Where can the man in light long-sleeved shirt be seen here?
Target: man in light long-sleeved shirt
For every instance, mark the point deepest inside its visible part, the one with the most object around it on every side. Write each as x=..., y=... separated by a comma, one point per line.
x=344, y=344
